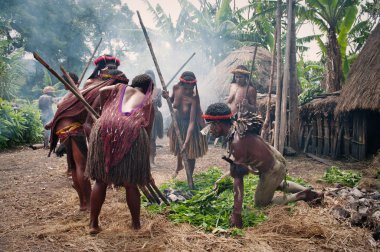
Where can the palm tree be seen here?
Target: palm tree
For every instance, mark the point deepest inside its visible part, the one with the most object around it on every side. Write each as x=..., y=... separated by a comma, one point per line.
x=329, y=16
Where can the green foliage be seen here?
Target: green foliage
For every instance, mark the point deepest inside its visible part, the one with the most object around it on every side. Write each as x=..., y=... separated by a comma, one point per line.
x=309, y=93
x=19, y=125
x=378, y=173
x=346, y=178
x=211, y=209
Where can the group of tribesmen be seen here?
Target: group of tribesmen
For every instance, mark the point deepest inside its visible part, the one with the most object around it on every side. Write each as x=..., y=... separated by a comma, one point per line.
x=120, y=146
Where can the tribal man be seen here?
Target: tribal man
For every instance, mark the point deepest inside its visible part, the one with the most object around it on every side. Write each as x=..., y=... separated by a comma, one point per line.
x=242, y=96
x=158, y=124
x=45, y=102
x=188, y=114
x=119, y=145
x=67, y=126
x=253, y=155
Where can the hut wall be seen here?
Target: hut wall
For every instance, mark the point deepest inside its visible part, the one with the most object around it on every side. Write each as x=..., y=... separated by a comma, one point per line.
x=373, y=132
x=326, y=136
x=359, y=133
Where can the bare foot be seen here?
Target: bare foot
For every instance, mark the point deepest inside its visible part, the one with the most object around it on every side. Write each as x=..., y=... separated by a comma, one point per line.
x=236, y=220
x=175, y=174
x=136, y=225
x=312, y=196
x=95, y=230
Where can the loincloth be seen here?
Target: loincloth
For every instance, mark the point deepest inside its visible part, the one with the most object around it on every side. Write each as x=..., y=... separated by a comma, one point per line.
x=134, y=168
x=198, y=143
x=69, y=134
x=158, y=125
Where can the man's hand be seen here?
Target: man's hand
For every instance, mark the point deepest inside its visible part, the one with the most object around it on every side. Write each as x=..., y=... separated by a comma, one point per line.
x=165, y=94
x=184, y=146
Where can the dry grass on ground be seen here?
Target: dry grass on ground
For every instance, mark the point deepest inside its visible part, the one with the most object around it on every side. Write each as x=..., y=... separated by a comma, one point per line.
x=40, y=213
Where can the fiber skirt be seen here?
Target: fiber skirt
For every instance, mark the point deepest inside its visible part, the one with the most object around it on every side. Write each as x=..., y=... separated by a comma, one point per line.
x=198, y=143
x=134, y=168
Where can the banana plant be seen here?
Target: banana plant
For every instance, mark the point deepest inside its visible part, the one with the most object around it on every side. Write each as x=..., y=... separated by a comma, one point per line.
x=334, y=18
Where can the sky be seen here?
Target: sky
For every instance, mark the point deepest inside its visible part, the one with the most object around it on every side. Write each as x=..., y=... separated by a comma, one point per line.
x=172, y=7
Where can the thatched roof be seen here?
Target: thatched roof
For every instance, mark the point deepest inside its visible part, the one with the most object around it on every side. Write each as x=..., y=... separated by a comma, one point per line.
x=362, y=87
x=320, y=106
x=219, y=79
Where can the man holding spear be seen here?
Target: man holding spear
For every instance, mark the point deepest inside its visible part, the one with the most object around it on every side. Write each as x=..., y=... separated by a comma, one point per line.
x=242, y=96
x=187, y=111
x=68, y=127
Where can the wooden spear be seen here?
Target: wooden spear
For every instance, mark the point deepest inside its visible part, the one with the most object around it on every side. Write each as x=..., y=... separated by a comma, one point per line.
x=152, y=195
x=179, y=70
x=74, y=87
x=89, y=62
x=174, y=119
x=78, y=95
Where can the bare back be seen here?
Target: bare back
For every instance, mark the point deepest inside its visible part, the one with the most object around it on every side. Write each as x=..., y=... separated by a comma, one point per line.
x=252, y=150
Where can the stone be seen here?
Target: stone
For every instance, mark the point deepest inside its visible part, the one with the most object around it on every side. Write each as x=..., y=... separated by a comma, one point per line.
x=358, y=219
x=376, y=215
x=376, y=195
x=363, y=202
x=173, y=198
x=376, y=234
x=340, y=213
x=363, y=210
x=357, y=193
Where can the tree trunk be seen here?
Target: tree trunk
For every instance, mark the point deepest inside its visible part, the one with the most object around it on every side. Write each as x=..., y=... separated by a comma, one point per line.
x=285, y=87
x=265, y=129
x=334, y=74
x=293, y=87
x=276, y=129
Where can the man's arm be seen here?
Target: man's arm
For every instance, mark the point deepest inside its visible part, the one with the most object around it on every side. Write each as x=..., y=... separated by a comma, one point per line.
x=231, y=95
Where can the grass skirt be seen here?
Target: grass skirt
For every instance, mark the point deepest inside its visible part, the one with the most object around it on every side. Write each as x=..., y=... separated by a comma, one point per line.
x=198, y=143
x=134, y=168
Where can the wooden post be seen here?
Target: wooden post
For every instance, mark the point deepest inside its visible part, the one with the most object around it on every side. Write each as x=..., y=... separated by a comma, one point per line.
x=362, y=135
x=347, y=135
x=301, y=132
x=319, y=135
x=314, y=137
x=175, y=123
x=307, y=140
x=326, y=139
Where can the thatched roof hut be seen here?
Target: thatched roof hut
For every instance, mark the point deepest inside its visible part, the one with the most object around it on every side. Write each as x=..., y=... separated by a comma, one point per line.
x=362, y=87
x=323, y=106
x=218, y=80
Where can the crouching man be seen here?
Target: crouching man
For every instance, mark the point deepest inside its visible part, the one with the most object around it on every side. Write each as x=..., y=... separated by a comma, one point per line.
x=253, y=155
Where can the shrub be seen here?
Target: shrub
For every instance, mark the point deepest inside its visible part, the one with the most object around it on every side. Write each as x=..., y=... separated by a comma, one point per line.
x=19, y=125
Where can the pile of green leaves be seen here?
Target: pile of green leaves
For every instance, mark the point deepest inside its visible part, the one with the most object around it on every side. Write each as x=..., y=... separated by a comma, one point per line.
x=346, y=178
x=208, y=209
x=20, y=125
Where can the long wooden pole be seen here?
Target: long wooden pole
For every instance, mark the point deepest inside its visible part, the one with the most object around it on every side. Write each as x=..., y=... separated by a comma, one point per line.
x=175, y=123
x=278, y=82
x=72, y=84
x=78, y=95
x=265, y=129
x=89, y=62
x=179, y=70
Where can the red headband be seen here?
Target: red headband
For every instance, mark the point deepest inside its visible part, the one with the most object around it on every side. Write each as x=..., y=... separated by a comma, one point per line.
x=193, y=82
x=218, y=117
x=107, y=58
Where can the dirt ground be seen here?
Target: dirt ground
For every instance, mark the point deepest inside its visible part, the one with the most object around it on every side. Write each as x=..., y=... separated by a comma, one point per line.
x=40, y=212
